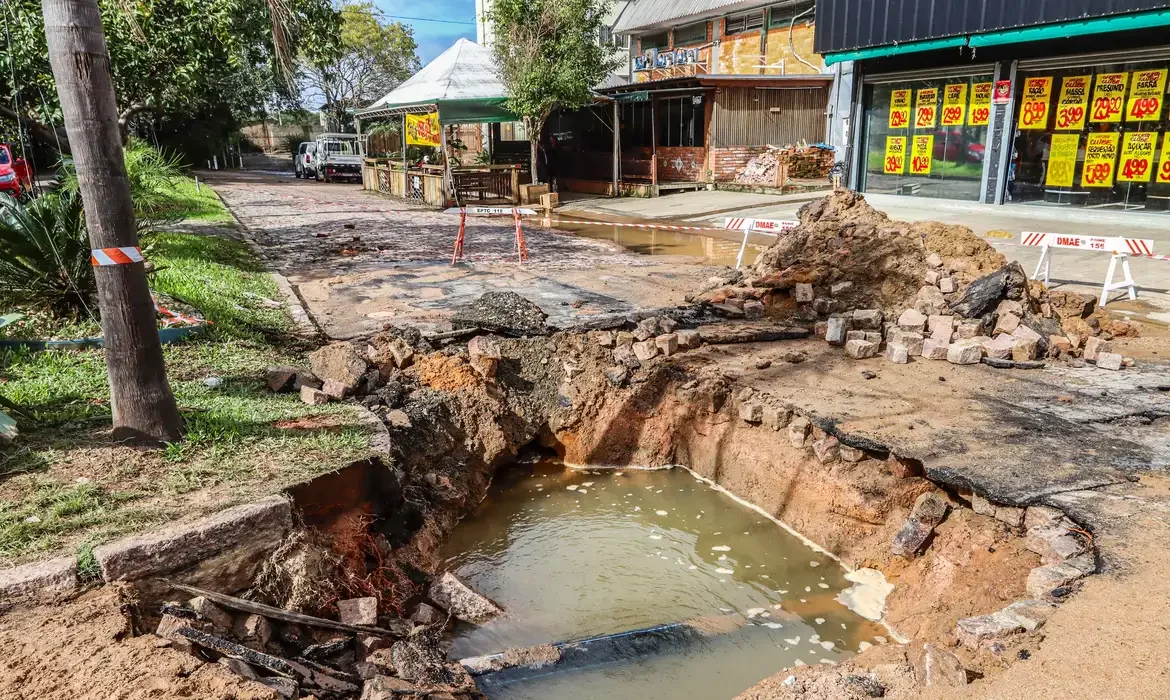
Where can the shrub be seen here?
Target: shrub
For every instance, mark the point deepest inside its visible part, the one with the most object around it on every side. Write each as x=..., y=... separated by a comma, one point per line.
x=153, y=176
x=46, y=259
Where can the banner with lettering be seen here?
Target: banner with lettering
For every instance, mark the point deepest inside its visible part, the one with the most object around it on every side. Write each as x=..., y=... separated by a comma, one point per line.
x=1034, y=107
x=926, y=108
x=895, y=163
x=1164, y=164
x=1062, y=160
x=980, y=111
x=1072, y=103
x=954, y=107
x=920, y=155
x=1100, y=159
x=1147, y=91
x=899, y=109
x=1137, y=156
x=423, y=129
x=1108, y=97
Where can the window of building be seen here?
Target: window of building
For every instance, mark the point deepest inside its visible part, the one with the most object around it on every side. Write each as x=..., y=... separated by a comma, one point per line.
x=661, y=40
x=781, y=17
x=606, y=37
x=689, y=34
x=749, y=21
x=513, y=131
x=680, y=121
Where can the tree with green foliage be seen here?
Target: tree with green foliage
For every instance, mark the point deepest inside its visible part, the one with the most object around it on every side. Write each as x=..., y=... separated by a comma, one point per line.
x=372, y=59
x=548, y=56
x=170, y=57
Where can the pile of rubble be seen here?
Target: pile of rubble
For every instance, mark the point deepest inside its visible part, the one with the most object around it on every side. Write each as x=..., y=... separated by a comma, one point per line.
x=915, y=290
x=811, y=162
x=295, y=654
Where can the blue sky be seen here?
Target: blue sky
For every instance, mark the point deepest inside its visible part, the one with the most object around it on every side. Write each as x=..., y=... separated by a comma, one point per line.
x=434, y=37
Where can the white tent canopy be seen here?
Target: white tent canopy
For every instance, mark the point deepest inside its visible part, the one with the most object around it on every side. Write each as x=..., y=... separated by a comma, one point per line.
x=461, y=84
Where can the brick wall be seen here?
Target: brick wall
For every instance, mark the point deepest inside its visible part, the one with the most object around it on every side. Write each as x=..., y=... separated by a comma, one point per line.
x=680, y=164
x=726, y=162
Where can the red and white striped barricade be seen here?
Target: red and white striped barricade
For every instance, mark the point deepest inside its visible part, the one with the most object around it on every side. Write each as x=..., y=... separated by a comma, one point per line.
x=1120, y=248
x=765, y=227
x=515, y=212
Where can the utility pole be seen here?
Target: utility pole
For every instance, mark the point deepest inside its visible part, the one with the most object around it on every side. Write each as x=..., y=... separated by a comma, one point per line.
x=143, y=406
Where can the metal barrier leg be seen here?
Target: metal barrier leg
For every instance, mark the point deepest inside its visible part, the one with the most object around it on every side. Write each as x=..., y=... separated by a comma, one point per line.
x=742, y=248
x=521, y=249
x=1045, y=261
x=458, y=255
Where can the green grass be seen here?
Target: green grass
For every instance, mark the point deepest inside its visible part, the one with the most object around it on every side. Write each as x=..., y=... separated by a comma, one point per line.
x=66, y=487
x=184, y=202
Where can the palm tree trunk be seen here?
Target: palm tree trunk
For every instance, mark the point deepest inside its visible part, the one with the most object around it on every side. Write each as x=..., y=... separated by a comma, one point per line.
x=143, y=406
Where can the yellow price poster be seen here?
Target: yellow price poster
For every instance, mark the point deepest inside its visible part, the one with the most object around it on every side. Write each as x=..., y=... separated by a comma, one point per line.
x=1034, y=107
x=895, y=155
x=980, y=111
x=926, y=108
x=1073, y=103
x=1062, y=160
x=423, y=129
x=1146, y=92
x=920, y=155
x=899, y=109
x=1100, y=159
x=1137, y=156
x=1164, y=164
x=1108, y=97
x=954, y=107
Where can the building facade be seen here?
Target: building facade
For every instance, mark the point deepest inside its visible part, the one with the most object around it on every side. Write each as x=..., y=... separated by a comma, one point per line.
x=1046, y=104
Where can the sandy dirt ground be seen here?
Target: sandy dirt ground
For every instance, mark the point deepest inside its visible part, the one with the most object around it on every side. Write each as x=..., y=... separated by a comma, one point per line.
x=359, y=260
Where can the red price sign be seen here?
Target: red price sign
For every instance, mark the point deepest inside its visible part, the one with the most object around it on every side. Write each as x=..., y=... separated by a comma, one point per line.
x=1143, y=107
x=1134, y=169
x=899, y=118
x=1098, y=173
x=1033, y=113
x=895, y=164
x=980, y=115
x=1164, y=173
x=920, y=164
x=925, y=116
x=1068, y=117
x=1106, y=109
x=952, y=115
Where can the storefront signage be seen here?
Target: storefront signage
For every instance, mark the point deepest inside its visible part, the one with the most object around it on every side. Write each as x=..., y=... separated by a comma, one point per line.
x=1108, y=97
x=980, y=114
x=423, y=129
x=895, y=155
x=1137, y=156
x=921, y=154
x=1146, y=93
x=1062, y=160
x=954, y=107
x=1073, y=103
x=899, y=109
x=1003, y=92
x=636, y=96
x=926, y=108
x=1034, y=107
x=1164, y=166
x=1100, y=159
x=654, y=59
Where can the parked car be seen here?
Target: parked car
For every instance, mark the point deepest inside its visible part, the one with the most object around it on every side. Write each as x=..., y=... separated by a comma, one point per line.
x=305, y=161
x=15, y=173
x=338, y=157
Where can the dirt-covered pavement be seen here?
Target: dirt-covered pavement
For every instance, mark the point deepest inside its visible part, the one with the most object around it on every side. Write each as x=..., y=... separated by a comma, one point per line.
x=359, y=261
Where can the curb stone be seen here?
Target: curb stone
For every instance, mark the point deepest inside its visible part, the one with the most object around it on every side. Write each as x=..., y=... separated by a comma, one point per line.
x=38, y=580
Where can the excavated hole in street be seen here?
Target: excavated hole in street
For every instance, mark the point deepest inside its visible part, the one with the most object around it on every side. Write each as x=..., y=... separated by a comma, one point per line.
x=620, y=556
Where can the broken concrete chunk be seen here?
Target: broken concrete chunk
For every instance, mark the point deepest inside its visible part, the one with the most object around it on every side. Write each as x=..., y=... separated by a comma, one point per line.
x=281, y=379
x=835, y=331
x=861, y=349
x=974, y=632
x=753, y=309
x=219, y=618
x=314, y=397
x=1025, y=349
x=358, y=611
x=484, y=353
x=605, y=339
x=798, y=430
x=898, y=354
x=912, y=320
x=827, y=450
x=688, y=339
x=776, y=418
x=964, y=353
x=934, y=349
x=947, y=285
x=1006, y=323
x=617, y=375
x=803, y=292
x=982, y=295
x=940, y=327
x=911, y=340
x=850, y=454
x=999, y=347
x=931, y=277
x=1096, y=345
x=645, y=350
x=1031, y=614
x=942, y=669
x=868, y=319
x=841, y=288
x=934, y=260
x=1109, y=360
x=751, y=412
x=457, y=598
x=624, y=355
x=339, y=362
x=667, y=343
x=1045, y=581
x=1054, y=542
x=1041, y=516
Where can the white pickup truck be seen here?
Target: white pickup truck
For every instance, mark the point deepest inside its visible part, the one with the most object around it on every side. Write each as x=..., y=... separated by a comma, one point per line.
x=338, y=157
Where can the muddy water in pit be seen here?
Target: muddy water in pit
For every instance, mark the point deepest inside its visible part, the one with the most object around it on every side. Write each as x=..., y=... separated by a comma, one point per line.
x=712, y=250
x=576, y=554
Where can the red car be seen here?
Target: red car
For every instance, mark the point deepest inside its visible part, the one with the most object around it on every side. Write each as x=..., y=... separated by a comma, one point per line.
x=15, y=175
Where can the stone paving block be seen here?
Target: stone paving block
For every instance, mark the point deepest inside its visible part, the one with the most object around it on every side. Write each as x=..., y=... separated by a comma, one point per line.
x=645, y=350
x=934, y=349
x=868, y=319
x=688, y=339
x=38, y=580
x=803, y=292
x=1109, y=360
x=964, y=353
x=798, y=430
x=835, y=331
x=898, y=354
x=667, y=343
x=827, y=450
x=912, y=320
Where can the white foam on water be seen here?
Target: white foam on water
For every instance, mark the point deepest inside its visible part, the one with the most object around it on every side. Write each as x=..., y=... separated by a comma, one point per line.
x=792, y=642
x=721, y=548
x=655, y=537
x=819, y=620
x=828, y=662
x=661, y=512
x=587, y=483
x=811, y=563
x=828, y=645
x=863, y=646
x=572, y=487
x=692, y=567
x=823, y=585
x=721, y=570
x=637, y=508
x=752, y=612
x=773, y=625
x=798, y=662
x=582, y=491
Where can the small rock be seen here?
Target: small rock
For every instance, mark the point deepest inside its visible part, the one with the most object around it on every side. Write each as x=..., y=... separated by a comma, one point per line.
x=1054, y=542
x=934, y=349
x=928, y=512
x=827, y=450
x=1006, y=323
x=850, y=454
x=284, y=687
x=912, y=320
x=617, y=375
x=398, y=419
x=866, y=374
x=861, y=349
x=339, y=362
x=1109, y=360
x=213, y=382
x=934, y=260
x=281, y=379
x=485, y=355
x=943, y=669
x=947, y=285
x=964, y=353
x=753, y=309
x=645, y=350
x=688, y=339
x=841, y=288
x=624, y=355
x=314, y=397
x=803, y=292
x=605, y=339
x=931, y=277
x=168, y=628
x=822, y=305
x=255, y=630
x=835, y=332
x=667, y=324
x=798, y=430
x=426, y=615
x=358, y=611
x=974, y=632
x=1096, y=345
x=219, y=618
x=1025, y=349
x=776, y=418
x=898, y=354
x=1044, y=580
x=763, y=363
x=794, y=356
x=820, y=329
x=239, y=668
x=868, y=319
x=624, y=339
x=457, y=598
x=335, y=389
x=751, y=412
x=667, y=343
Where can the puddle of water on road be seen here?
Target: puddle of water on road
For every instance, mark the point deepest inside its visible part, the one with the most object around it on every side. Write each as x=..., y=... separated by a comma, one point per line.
x=713, y=251
x=577, y=554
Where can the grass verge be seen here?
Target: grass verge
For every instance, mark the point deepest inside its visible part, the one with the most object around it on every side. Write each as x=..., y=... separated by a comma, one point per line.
x=66, y=487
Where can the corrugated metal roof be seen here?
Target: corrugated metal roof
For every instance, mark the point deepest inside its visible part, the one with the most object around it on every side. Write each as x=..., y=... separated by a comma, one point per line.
x=466, y=71
x=652, y=14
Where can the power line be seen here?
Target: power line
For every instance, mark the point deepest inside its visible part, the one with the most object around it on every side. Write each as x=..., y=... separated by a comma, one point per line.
x=423, y=19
